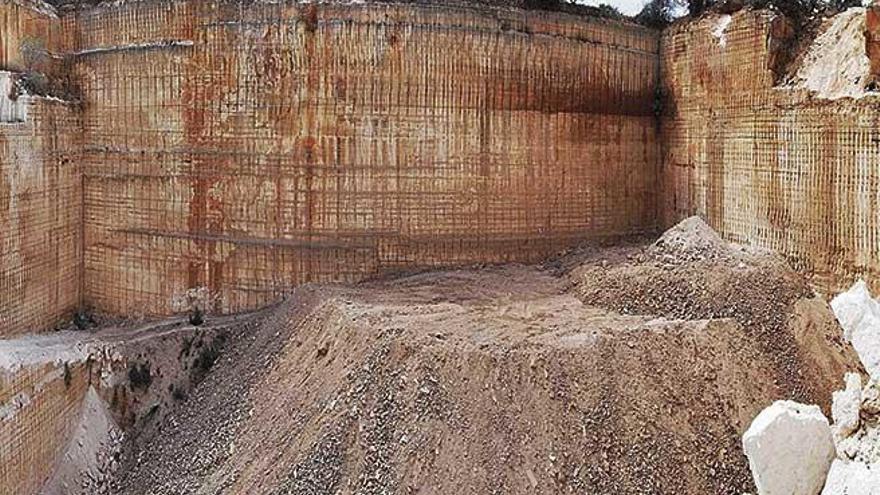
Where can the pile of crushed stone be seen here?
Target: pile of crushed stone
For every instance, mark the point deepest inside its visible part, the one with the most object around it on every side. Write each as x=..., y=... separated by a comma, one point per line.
x=692, y=274
x=516, y=379
x=691, y=240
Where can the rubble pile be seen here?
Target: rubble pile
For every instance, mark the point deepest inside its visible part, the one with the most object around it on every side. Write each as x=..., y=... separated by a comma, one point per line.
x=856, y=413
x=855, y=410
x=793, y=450
x=512, y=379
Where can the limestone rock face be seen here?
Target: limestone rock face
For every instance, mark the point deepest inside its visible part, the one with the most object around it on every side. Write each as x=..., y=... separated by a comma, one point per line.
x=790, y=449
x=872, y=39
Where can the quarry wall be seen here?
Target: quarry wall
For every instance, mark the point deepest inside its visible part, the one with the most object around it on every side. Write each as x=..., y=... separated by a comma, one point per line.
x=40, y=212
x=249, y=150
x=39, y=408
x=40, y=183
x=252, y=148
x=29, y=31
x=765, y=164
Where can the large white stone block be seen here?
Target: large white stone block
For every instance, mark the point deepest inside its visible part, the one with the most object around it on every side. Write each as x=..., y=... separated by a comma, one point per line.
x=790, y=449
x=859, y=315
x=852, y=306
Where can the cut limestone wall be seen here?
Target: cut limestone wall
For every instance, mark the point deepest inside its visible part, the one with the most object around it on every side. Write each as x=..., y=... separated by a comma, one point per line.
x=40, y=183
x=251, y=149
x=40, y=213
x=44, y=379
x=771, y=166
x=30, y=34
x=39, y=406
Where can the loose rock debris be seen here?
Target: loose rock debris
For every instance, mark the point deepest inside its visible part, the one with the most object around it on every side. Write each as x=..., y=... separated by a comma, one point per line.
x=796, y=447
x=633, y=370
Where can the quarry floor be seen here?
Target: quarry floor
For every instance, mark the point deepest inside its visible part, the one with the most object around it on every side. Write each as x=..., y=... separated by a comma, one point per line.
x=626, y=369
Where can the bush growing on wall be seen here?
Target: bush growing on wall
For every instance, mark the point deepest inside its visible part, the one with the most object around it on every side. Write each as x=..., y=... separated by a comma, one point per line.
x=659, y=13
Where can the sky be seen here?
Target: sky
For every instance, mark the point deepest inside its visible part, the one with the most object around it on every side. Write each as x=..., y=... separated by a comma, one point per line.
x=628, y=7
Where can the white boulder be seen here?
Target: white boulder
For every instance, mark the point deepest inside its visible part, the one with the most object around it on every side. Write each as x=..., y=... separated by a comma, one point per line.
x=852, y=478
x=859, y=315
x=852, y=306
x=790, y=448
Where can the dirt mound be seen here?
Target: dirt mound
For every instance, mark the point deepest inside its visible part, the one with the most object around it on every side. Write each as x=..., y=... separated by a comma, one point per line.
x=691, y=240
x=690, y=273
x=505, y=381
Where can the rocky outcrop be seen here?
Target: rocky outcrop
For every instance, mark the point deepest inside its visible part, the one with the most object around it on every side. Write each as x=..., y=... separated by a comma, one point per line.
x=872, y=40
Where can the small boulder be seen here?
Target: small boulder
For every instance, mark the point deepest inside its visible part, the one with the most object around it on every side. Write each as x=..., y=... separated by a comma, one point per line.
x=790, y=449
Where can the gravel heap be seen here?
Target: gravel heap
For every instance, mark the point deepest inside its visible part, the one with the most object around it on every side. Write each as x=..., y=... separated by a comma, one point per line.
x=624, y=374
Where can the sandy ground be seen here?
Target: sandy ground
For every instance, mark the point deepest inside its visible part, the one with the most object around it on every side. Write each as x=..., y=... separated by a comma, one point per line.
x=624, y=370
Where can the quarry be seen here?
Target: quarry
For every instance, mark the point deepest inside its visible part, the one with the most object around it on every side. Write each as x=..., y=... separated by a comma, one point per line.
x=410, y=247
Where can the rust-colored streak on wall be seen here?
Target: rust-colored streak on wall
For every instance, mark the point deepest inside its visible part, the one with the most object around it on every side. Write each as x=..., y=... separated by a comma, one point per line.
x=253, y=149
x=40, y=218
x=768, y=166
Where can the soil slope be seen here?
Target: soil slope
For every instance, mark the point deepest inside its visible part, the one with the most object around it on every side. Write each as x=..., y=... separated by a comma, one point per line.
x=625, y=370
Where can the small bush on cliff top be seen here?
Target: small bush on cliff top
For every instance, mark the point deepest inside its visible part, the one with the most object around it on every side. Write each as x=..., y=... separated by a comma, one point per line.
x=659, y=13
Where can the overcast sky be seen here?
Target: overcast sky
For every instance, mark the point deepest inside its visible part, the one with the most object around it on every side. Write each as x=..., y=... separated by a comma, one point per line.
x=628, y=7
